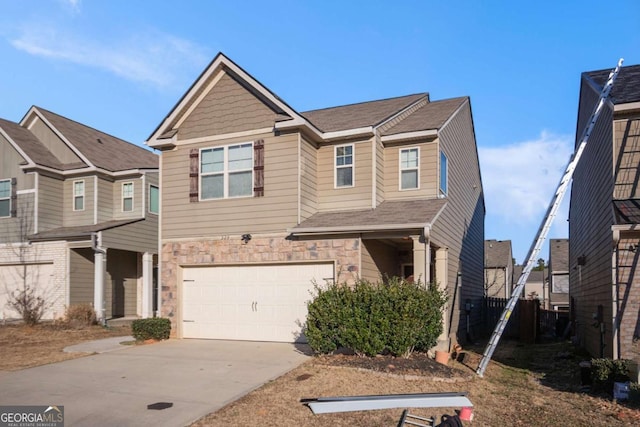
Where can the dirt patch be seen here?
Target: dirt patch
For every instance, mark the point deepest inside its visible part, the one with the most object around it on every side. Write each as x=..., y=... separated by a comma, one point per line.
x=523, y=385
x=25, y=347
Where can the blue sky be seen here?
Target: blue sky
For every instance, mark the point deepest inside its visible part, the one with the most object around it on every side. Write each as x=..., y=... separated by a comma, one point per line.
x=121, y=65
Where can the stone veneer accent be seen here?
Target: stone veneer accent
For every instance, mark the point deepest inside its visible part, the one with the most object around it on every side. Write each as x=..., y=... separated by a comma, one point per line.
x=55, y=290
x=259, y=250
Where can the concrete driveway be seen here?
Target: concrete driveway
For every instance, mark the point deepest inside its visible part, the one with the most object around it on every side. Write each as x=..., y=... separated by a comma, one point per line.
x=114, y=388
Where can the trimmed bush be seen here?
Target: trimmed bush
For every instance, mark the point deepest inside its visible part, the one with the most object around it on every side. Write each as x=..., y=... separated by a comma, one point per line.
x=393, y=316
x=156, y=328
x=80, y=315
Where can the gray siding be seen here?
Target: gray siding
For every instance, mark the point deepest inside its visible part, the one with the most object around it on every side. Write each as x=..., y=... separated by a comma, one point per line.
x=50, y=140
x=105, y=200
x=82, y=217
x=590, y=220
x=122, y=275
x=276, y=211
x=379, y=260
x=17, y=229
x=140, y=236
x=50, y=202
x=380, y=170
x=460, y=228
x=356, y=197
x=81, y=274
x=10, y=161
x=227, y=108
x=139, y=193
x=308, y=179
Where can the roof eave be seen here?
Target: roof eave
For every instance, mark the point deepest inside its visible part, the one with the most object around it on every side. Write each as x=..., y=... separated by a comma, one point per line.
x=356, y=229
x=429, y=133
x=626, y=107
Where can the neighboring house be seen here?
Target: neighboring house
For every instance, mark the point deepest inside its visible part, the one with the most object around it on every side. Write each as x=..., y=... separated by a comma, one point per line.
x=536, y=283
x=557, y=295
x=498, y=268
x=604, y=217
x=78, y=217
x=259, y=201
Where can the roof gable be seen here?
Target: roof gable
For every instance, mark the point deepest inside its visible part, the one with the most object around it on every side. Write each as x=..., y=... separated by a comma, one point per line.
x=29, y=146
x=432, y=115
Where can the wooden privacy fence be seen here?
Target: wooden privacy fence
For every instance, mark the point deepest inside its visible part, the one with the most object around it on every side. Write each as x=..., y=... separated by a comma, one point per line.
x=524, y=322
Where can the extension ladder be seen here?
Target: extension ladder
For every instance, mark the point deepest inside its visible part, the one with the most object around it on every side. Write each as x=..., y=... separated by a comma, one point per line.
x=541, y=235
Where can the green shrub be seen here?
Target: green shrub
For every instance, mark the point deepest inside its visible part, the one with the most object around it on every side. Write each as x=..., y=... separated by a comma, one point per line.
x=80, y=315
x=156, y=328
x=393, y=316
x=604, y=372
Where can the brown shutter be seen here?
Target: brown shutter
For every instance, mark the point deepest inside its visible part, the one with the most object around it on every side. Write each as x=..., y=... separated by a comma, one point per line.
x=194, y=166
x=14, y=197
x=258, y=168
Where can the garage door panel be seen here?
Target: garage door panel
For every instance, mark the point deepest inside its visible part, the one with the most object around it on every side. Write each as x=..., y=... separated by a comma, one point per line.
x=257, y=303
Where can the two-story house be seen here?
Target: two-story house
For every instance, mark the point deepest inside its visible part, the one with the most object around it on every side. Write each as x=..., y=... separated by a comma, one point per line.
x=260, y=201
x=498, y=268
x=78, y=217
x=557, y=295
x=604, y=216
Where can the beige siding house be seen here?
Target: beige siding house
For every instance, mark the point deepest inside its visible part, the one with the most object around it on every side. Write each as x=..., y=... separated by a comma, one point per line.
x=259, y=202
x=78, y=217
x=604, y=287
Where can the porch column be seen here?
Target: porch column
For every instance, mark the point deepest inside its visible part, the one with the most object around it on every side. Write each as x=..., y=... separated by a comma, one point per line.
x=441, y=277
x=99, y=263
x=421, y=257
x=147, y=285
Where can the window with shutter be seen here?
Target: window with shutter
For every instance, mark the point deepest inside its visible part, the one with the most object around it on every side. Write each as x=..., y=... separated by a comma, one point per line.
x=5, y=198
x=258, y=168
x=227, y=171
x=194, y=155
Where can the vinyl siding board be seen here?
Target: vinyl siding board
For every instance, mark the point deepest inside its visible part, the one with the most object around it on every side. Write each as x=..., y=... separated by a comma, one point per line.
x=122, y=275
x=50, y=140
x=460, y=227
x=428, y=174
x=627, y=158
x=51, y=198
x=380, y=163
x=227, y=108
x=379, y=260
x=331, y=198
x=81, y=217
x=10, y=161
x=81, y=274
x=590, y=220
x=140, y=236
x=276, y=211
x=138, y=194
x=17, y=229
x=308, y=179
x=105, y=200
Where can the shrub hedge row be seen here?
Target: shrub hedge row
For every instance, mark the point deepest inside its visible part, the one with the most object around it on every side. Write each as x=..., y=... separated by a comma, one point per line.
x=156, y=328
x=392, y=316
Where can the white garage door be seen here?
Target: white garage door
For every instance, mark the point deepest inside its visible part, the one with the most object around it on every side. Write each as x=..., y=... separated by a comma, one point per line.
x=13, y=277
x=253, y=303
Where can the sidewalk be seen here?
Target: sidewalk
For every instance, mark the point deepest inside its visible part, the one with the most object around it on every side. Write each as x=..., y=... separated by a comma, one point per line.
x=101, y=346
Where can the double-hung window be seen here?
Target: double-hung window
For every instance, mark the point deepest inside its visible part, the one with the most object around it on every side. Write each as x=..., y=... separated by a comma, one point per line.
x=227, y=171
x=344, y=166
x=444, y=174
x=154, y=199
x=78, y=195
x=127, y=196
x=409, y=168
x=5, y=198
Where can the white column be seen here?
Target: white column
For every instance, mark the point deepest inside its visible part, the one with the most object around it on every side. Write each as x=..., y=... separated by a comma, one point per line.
x=99, y=262
x=421, y=257
x=147, y=285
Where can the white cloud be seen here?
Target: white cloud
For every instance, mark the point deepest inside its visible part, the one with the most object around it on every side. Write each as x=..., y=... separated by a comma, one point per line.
x=74, y=5
x=520, y=179
x=153, y=58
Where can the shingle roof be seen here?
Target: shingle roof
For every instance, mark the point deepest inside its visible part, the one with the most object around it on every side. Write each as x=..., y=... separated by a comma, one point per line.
x=626, y=87
x=559, y=254
x=31, y=146
x=359, y=115
x=103, y=150
x=431, y=116
x=394, y=214
x=497, y=253
x=81, y=231
x=534, y=275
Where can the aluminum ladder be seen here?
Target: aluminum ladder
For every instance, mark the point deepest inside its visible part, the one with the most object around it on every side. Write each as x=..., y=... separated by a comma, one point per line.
x=543, y=230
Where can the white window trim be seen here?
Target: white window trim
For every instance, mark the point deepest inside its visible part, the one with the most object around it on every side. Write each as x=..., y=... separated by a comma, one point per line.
x=149, y=207
x=225, y=171
x=83, y=195
x=133, y=192
x=7, y=198
x=446, y=178
x=400, y=170
x=352, y=166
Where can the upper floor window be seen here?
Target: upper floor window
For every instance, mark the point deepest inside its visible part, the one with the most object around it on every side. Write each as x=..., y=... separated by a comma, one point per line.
x=444, y=174
x=5, y=198
x=127, y=196
x=409, y=168
x=344, y=166
x=154, y=199
x=226, y=171
x=78, y=195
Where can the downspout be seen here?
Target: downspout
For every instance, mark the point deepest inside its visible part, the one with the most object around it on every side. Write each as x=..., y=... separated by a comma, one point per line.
x=99, y=254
